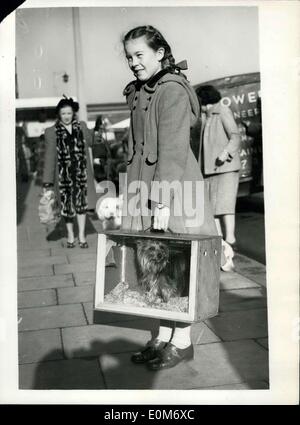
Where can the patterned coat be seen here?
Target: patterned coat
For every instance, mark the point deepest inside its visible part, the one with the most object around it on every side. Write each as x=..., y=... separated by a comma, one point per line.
x=51, y=166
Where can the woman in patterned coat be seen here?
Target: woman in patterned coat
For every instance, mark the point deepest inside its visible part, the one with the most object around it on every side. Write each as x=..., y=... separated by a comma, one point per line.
x=68, y=169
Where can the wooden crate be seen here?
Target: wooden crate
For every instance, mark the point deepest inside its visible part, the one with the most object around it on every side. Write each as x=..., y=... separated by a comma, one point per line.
x=203, y=254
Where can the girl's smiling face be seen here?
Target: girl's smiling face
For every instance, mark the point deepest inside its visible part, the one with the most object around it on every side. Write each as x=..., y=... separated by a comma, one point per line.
x=66, y=115
x=142, y=59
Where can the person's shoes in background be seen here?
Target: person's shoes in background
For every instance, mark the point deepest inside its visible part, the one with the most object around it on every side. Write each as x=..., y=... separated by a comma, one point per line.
x=228, y=254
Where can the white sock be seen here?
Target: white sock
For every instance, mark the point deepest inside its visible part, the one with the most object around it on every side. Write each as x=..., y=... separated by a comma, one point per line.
x=182, y=337
x=164, y=333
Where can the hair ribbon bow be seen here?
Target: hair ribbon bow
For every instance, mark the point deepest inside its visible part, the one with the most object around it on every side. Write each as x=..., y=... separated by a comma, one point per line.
x=181, y=66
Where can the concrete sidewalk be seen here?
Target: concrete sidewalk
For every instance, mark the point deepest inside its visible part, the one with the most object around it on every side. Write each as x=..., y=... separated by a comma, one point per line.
x=61, y=348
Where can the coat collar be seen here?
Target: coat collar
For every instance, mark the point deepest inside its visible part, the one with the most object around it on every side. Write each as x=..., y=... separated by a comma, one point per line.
x=151, y=85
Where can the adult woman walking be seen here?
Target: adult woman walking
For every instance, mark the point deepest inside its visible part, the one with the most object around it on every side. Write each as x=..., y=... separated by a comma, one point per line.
x=163, y=108
x=68, y=170
x=221, y=160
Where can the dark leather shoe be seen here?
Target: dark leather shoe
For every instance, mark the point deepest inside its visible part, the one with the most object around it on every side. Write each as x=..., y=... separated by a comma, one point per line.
x=170, y=356
x=150, y=352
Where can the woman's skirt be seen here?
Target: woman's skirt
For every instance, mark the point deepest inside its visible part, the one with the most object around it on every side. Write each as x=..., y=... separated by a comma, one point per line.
x=222, y=189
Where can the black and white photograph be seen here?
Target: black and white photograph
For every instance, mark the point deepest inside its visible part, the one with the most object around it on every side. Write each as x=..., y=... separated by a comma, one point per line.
x=142, y=162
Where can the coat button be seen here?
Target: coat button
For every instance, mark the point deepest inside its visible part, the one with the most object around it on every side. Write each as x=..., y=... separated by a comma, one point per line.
x=146, y=109
x=149, y=98
x=134, y=107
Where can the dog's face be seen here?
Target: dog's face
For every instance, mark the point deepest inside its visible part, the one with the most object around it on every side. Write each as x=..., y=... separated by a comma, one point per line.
x=109, y=211
x=153, y=259
x=152, y=256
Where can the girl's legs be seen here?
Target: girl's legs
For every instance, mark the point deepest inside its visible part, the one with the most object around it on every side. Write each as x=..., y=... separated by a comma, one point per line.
x=182, y=336
x=156, y=344
x=166, y=329
x=180, y=349
x=229, y=225
x=179, y=334
x=81, y=219
x=70, y=229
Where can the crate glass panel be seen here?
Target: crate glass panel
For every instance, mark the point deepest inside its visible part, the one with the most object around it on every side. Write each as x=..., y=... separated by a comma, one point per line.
x=156, y=275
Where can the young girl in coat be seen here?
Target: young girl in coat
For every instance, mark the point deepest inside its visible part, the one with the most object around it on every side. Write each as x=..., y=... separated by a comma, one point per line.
x=163, y=107
x=67, y=168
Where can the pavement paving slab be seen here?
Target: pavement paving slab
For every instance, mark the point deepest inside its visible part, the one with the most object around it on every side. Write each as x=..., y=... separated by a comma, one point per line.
x=264, y=342
x=22, y=233
x=84, y=278
x=234, y=325
x=76, y=294
x=41, y=298
x=92, y=340
x=58, y=316
x=34, y=253
x=82, y=266
x=233, y=280
x=250, y=269
x=62, y=375
x=75, y=258
x=42, y=244
x=214, y=365
x=45, y=282
x=42, y=261
x=35, y=270
x=74, y=252
x=202, y=334
x=38, y=346
x=252, y=385
x=243, y=299
x=257, y=275
x=242, y=261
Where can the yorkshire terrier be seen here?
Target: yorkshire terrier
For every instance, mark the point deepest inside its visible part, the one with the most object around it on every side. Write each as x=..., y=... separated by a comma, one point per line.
x=156, y=278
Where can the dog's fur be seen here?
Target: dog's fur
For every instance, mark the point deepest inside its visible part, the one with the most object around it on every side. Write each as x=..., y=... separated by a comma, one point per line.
x=109, y=211
x=153, y=258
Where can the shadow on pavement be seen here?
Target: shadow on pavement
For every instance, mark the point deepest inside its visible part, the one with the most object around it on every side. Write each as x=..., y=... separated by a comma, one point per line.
x=250, y=227
x=248, y=360
x=22, y=189
x=82, y=369
x=60, y=231
x=104, y=365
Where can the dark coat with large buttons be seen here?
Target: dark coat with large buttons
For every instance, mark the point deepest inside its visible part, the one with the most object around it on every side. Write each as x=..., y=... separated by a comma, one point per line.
x=51, y=167
x=170, y=110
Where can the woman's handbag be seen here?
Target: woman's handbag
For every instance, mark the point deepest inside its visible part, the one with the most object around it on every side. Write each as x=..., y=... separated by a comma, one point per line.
x=48, y=208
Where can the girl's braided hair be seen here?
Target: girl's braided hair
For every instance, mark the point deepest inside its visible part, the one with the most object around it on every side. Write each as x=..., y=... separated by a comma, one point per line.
x=155, y=40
